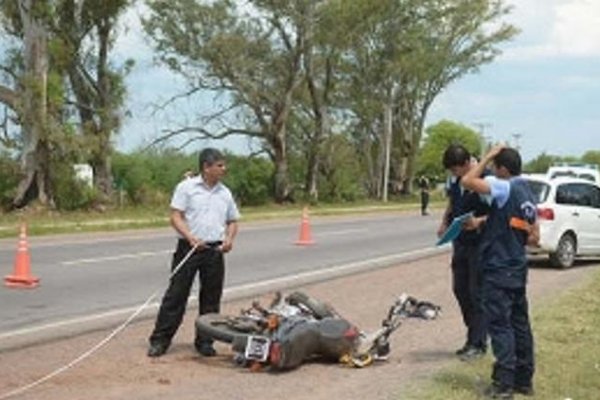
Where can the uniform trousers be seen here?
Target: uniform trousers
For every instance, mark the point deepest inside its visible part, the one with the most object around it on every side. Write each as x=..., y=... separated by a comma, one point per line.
x=208, y=263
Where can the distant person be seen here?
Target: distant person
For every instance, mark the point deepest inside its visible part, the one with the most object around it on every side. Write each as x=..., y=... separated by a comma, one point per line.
x=204, y=216
x=465, y=264
x=423, y=183
x=510, y=225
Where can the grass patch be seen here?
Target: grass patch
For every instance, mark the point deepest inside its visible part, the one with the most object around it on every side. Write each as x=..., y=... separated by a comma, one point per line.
x=567, y=338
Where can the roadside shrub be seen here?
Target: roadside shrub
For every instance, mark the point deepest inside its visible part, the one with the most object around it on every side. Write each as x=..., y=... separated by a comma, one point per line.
x=250, y=179
x=71, y=193
x=9, y=179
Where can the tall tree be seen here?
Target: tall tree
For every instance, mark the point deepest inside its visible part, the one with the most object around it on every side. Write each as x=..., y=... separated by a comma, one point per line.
x=411, y=51
x=437, y=138
x=86, y=32
x=28, y=98
x=456, y=38
x=63, y=41
x=252, y=54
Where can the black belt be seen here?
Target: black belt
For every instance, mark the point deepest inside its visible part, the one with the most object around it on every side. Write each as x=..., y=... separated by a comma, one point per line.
x=210, y=245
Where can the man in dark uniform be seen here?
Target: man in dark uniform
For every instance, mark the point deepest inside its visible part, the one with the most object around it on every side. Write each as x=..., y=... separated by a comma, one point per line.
x=466, y=273
x=424, y=187
x=510, y=225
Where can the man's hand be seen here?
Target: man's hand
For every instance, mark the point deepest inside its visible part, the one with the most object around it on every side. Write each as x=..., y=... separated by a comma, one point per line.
x=226, y=246
x=474, y=223
x=442, y=229
x=196, y=243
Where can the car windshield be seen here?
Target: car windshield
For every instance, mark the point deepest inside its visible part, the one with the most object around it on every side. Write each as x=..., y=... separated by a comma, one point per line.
x=540, y=190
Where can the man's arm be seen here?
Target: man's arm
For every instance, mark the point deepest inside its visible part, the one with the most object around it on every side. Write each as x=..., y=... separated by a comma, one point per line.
x=231, y=231
x=444, y=224
x=178, y=222
x=533, y=235
x=473, y=180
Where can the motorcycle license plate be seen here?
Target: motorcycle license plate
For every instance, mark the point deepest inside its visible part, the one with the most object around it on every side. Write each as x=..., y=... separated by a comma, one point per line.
x=257, y=348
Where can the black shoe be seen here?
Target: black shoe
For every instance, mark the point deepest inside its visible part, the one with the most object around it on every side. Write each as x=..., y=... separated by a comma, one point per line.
x=462, y=350
x=157, y=349
x=524, y=390
x=206, y=349
x=472, y=353
x=497, y=391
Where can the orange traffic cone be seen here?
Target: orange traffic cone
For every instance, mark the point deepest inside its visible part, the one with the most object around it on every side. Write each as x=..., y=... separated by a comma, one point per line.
x=22, y=278
x=305, y=238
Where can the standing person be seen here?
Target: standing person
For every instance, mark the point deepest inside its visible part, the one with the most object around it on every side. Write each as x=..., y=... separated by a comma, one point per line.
x=205, y=217
x=466, y=272
x=424, y=186
x=511, y=224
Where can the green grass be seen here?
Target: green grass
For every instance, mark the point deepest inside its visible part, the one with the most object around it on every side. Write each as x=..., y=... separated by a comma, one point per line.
x=52, y=222
x=567, y=339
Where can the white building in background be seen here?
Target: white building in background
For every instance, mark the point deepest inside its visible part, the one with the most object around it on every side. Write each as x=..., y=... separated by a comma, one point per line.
x=84, y=173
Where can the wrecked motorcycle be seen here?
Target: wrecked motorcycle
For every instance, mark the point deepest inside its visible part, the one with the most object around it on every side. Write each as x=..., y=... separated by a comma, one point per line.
x=298, y=327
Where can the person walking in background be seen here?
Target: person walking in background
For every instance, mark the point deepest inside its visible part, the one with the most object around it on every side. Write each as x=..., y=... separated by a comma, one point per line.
x=204, y=215
x=510, y=225
x=465, y=264
x=423, y=183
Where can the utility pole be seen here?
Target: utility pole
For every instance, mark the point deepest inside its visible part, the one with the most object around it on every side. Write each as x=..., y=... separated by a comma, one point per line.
x=517, y=137
x=388, y=148
x=485, y=139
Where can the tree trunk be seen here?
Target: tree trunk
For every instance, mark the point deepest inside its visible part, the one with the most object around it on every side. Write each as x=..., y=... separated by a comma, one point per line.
x=100, y=162
x=36, y=150
x=282, y=184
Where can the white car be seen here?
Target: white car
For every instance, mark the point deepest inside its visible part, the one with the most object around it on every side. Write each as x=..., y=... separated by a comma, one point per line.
x=569, y=216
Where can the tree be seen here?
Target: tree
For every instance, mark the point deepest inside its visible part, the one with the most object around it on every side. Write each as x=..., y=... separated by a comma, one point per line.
x=250, y=58
x=541, y=163
x=58, y=42
x=438, y=137
x=591, y=157
x=86, y=31
x=28, y=99
x=455, y=40
x=410, y=52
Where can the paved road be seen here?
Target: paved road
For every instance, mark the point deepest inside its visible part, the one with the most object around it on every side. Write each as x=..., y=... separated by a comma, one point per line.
x=94, y=273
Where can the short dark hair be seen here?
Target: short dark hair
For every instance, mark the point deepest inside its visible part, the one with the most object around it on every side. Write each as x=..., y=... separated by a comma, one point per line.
x=510, y=159
x=455, y=155
x=209, y=156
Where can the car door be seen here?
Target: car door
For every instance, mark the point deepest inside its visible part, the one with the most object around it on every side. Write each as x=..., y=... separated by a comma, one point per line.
x=586, y=212
x=571, y=213
x=594, y=218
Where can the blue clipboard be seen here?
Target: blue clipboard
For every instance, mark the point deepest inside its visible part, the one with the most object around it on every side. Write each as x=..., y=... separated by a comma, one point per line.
x=454, y=229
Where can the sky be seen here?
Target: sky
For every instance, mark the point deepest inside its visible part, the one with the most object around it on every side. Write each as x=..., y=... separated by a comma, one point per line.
x=542, y=94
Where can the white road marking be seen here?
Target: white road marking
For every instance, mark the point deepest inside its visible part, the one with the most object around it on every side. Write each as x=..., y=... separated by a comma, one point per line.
x=118, y=257
x=343, y=232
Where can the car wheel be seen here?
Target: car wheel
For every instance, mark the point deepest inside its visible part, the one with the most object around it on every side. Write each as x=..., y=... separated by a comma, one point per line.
x=565, y=252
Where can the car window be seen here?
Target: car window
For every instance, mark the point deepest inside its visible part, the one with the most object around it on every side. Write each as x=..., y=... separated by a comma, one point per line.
x=578, y=194
x=539, y=189
x=561, y=174
x=587, y=177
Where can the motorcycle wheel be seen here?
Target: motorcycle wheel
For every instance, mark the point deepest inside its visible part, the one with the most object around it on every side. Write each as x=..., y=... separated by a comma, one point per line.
x=319, y=309
x=220, y=327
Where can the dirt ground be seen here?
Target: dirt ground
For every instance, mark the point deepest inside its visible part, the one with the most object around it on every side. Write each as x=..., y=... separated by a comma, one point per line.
x=121, y=370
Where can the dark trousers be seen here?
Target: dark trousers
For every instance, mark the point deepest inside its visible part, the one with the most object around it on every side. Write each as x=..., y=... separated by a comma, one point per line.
x=211, y=271
x=424, y=201
x=466, y=285
x=510, y=332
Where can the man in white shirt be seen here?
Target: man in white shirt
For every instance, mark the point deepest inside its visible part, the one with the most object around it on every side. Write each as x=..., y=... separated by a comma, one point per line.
x=204, y=216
